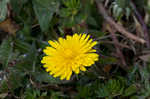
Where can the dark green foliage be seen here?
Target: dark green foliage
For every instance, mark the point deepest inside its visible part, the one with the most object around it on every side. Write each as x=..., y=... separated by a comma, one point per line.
x=6, y=52
x=22, y=75
x=44, y=11
x=71, y=13
x=3, y=9
x=121, y=8
x=130, y=90
x=111, y=89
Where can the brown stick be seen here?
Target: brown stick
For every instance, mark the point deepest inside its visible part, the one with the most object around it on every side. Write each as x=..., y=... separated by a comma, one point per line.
x=118, y=27
x=118, y=44
x=144, y=27
x=119, y=53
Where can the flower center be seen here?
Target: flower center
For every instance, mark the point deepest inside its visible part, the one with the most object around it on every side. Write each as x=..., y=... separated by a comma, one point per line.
x=69, y=54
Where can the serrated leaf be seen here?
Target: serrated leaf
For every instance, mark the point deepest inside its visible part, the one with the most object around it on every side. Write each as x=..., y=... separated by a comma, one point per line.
x=130, y=90
x=44, y=10
x=72, y=4
x=103, y=91
x=5, y=52
x=4, y=87
x=114, y=87
x=45, y=77
x=111, y=88
x=84, y=92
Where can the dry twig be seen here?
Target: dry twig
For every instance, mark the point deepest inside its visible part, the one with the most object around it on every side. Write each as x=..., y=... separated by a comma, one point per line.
x=118, y=27
x=119, y=53
x=141, y=21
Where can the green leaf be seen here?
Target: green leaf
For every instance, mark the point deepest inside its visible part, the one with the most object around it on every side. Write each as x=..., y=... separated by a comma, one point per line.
x=84, y=92
x=3, y=9
x=17, y=6
x=90, y=20
x=115, y=87
x=44, y=10
x=135, y=97
x=122, y=3
x=6, y=52
x=31, y=93
x=109, y=60
x=22, y=46
x=130, y=90
x=45, y=77
x=55, y=95
x=27, y=61
x=16, y=79
x=103, y=91
x=72, y=4
x=111, y=88
x=4, y=87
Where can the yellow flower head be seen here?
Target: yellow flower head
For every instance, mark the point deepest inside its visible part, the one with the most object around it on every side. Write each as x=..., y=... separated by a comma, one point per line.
x=69, y=55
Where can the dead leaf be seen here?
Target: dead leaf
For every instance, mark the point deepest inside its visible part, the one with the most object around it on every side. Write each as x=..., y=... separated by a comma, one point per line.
x=107, y=68
x=3, y=95
x=145, y=58
x=9, y=26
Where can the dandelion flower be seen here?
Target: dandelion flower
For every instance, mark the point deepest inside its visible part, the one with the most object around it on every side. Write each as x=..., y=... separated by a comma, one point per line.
x=68, y=55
